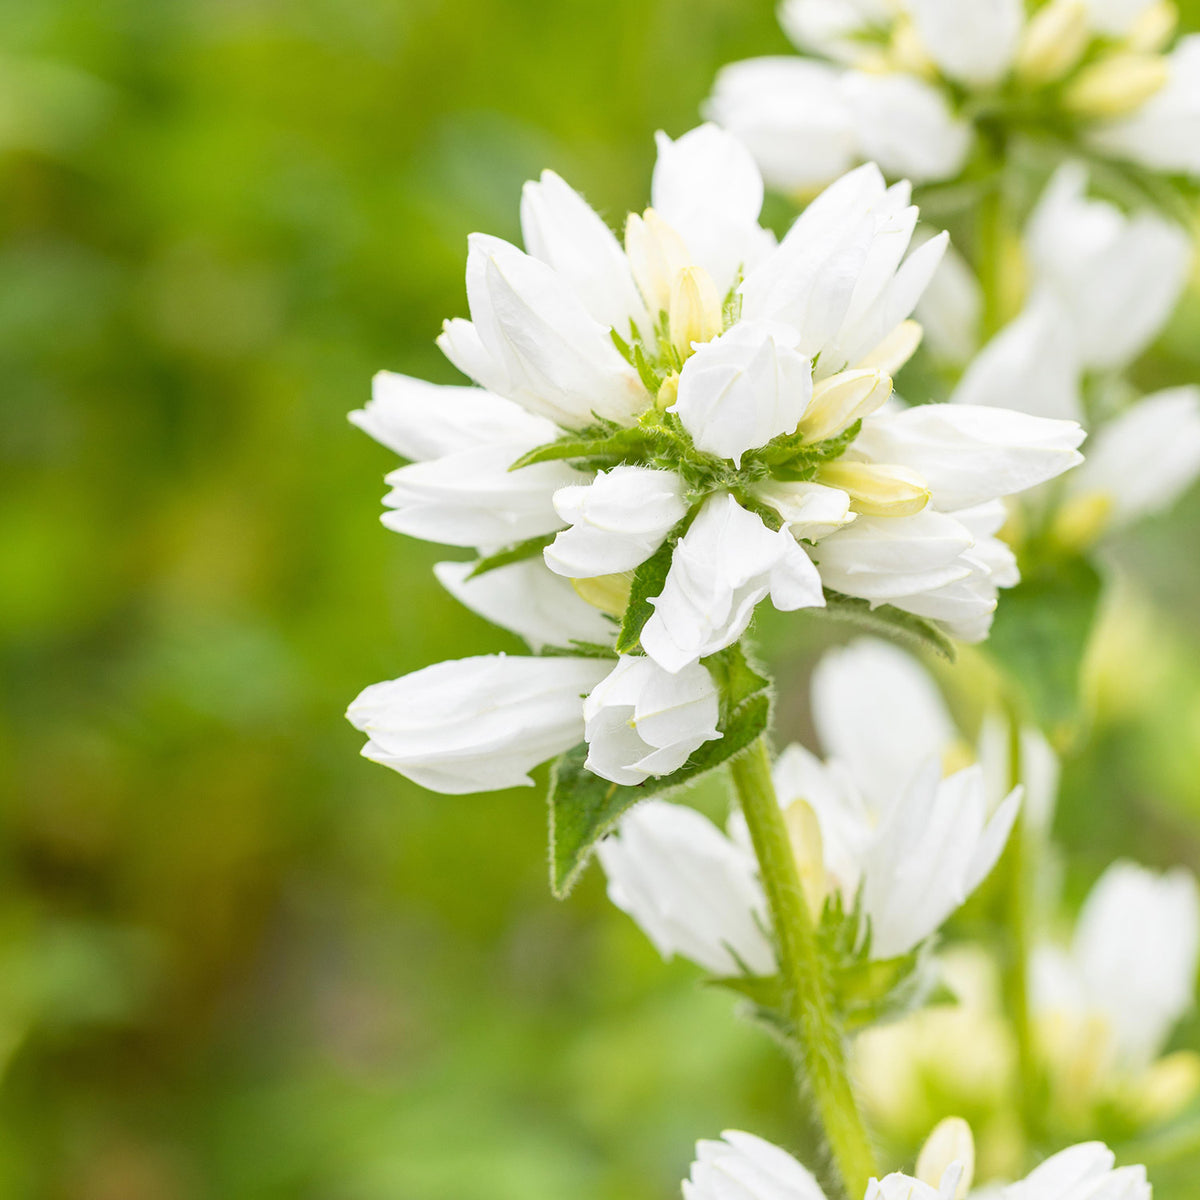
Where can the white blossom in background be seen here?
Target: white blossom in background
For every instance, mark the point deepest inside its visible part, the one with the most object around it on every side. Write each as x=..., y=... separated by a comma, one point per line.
x=743, y=1167
x=884, y=82
x=715, y=393
x=1114, y=995
x=878, y=823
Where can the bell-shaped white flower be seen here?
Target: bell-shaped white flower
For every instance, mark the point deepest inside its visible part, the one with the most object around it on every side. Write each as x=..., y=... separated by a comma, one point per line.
x=1117, y=277
x=935, y=844
x=810, y=510
x=544, y=349
x=744, y=388
x=530, y=600
x=691, y=890
x=472, y=498
x=476, y=724
x=421, y=421
x=642, y=721
x=833, y=28
x=744, y=1167
x=1131, y=965
x=615, y=522
x=1162, y=133
x=1086, y=1170
x=1144, y=459
x=973, y=42
x=722, y=567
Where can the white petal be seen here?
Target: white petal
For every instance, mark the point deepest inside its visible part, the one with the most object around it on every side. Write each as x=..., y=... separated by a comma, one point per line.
x=476, y=724
x=529, y=600
x=810, y=510
x=833, y=28
x=972, y=41
x=744, y=1167
x=950, y=309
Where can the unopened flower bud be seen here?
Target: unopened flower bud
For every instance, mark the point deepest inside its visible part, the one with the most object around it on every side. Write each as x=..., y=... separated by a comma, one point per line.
x=608, y=593
x=950, y=1142
x=907, y=52
x=876, y=490
x=1053, y=42
x=695, y=309
x=1153, y=28
x=1117, y=85
x=1081, y=520
x=842, y=399
x=808, y=849
x=895, y=349
x=1166, y=1087
x=656, y=256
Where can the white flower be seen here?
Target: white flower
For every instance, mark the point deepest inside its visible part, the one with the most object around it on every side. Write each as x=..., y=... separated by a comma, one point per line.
x=722, y=567
x=951, y=309
x=616, y=522
x=744, y=388
x=1162, y=133
x=1117, y=277
x=1132, y=962
x=972, y=41
x=691, y=890
x=1080, y=1173
x=832, y=27
x=476, y=724
x=643, y=721
x=1142, y=460
x=529, y=600
x=744, y=1167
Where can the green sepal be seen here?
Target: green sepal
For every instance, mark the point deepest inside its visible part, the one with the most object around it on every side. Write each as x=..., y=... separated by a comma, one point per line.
x=893, y=622
x=597, y=443
x=1038, y=639
x=584, y=807
x=529, y=548
x=764, y=991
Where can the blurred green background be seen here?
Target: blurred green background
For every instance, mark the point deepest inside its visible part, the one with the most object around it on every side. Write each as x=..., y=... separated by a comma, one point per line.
x=236, y=960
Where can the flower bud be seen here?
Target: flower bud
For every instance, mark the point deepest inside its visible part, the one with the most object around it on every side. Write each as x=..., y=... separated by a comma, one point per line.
x=656, y=255
x=876, y=490
x=1117, y=85
x=842, y=399
x=895, y=349
x=1082, y=520
x=949, y=1143
x=1053, y=42
x=1166, y=1087
x=808, y=849
x=1153, y=28
x=608, y=593
x=694, y=314
x=907, y=52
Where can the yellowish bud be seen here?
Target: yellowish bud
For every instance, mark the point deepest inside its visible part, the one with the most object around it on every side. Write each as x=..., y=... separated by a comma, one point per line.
x=656, y=255
x=842, y=399
x=1116, y=85
x=1166, y=1087
x=1081, y=520
x=873, y=61
x=957, y=756
x=695, y=310
x=1053, y=42
x=907, y=52
x=608, y=593
x=808, y=848
x=668, y=392
x=895, y=349
x=876, y=490
x=950, y=1142
x=1153, y=28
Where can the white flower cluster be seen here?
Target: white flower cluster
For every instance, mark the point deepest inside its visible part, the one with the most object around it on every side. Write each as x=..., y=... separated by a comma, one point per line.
x=749, y=1168
x=704, y=393
x=877, y=823
x=918, y=85
x=1102, y=285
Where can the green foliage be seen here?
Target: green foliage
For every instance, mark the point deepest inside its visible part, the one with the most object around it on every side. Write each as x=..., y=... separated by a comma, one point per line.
x=895, y=623
x=584, y=807
x=1040, y=635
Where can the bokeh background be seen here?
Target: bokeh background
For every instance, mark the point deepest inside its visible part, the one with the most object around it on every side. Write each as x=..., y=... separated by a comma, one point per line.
x=238, y=962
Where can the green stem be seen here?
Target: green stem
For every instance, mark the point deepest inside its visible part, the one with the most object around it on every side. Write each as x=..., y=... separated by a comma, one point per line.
x=804, y=973
x=990, y=251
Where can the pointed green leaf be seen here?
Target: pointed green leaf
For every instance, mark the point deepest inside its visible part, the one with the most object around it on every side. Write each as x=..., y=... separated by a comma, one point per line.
x=647, y=584
x=766, y=991
x=584, y=807
x=529, y=548
x=616, y=444
x=892, y=622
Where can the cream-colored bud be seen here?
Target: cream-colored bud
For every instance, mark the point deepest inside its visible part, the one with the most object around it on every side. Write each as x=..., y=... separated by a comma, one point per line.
x=842, y=399
x=876, y=490
x=668, y=392
x=1082, y=520
x=1053, y=42
x=895, y=349
x=608, y=593
x=808, y=849
x=1153, y=28
x=656, y=255
x=1165, y=1088
x=1116, y=85
x=907, y=52
x=695, y=309
x=950, y=1142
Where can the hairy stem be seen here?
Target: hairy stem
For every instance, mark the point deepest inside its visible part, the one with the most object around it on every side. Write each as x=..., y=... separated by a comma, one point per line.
x=806, y=984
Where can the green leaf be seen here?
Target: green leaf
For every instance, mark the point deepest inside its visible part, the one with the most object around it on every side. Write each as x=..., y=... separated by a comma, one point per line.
x=584, y=807
x=1041, y=631
x=892, y=622
x=529, y=548
x=766, y=991
x=647, y=584
x=616, y=444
